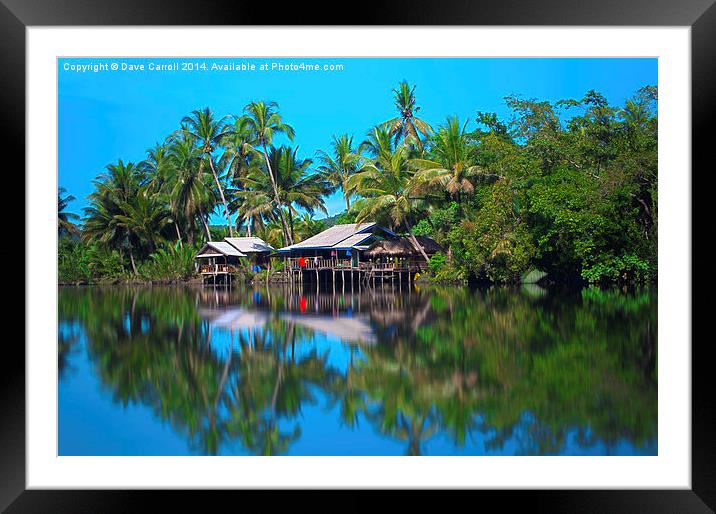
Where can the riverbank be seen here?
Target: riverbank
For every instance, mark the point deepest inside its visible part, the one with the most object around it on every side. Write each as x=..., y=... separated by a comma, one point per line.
x=280, y=278
x=244, y=278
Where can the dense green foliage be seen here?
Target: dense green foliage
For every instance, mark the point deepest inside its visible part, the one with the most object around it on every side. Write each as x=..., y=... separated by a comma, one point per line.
x=569, y=188
x=575, y=198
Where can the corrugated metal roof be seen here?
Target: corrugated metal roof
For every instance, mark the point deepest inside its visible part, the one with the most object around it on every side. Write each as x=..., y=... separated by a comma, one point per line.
x=224, y=248
x=351, y=241
x=249, y=244
x=208, y=255
x=331, y=236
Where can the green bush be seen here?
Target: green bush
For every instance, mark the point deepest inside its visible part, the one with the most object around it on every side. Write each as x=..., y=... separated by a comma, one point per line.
x=437, y=261
x=72, y=261
x=617, y=269
x=105, y=263
x=449, y=273
x=172, y=262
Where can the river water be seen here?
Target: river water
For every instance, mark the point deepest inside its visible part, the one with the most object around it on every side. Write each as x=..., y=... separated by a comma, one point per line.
x=425, y=371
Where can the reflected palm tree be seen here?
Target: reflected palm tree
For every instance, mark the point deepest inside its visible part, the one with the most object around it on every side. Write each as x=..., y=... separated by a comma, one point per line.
x=66, y=345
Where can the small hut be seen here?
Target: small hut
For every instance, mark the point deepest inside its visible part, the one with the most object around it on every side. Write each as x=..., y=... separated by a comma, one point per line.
x=402, y=251
x=218, y=257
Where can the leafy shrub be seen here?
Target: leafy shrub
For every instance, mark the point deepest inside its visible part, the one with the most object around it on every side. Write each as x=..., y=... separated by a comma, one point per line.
x=626, y=268
x=72, y=261
x=437, y=261
x=449, y=273
x=105, y=263
x=172, y=262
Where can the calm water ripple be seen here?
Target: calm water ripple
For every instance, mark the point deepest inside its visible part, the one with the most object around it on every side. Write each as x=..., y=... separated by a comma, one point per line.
x=438, y=371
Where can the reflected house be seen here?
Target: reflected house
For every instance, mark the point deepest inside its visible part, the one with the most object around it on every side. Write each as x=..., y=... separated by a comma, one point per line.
x=351, y=329
x=235, y=318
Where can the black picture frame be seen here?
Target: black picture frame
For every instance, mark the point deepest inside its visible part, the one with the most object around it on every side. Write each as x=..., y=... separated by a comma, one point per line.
x=700, y=15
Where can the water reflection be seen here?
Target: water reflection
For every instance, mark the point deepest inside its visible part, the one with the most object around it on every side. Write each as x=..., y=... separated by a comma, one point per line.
x=439, y=371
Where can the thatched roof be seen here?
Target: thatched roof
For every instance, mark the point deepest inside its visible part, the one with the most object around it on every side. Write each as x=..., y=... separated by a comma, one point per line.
x=401, y=247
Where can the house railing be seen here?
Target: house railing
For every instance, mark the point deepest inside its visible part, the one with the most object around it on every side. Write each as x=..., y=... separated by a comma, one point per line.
x=318, y=263
x=217, y=268
x=311, y=263
x=392, y=265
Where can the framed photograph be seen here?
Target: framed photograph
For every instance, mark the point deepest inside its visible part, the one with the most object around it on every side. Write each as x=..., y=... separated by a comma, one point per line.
x=422, y=251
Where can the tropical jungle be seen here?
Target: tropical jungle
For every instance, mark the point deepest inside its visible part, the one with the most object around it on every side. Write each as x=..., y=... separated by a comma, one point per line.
x=566, y=189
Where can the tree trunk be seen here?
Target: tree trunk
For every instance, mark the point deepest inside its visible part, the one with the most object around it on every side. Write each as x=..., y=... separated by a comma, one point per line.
x=220, y=388
x=290, y=223
x=207, y=233
x=221, y=193
x=131, y=256
x=286, y=233
x=176, y=226
x=415, y=241
x=348, y=203
x=249, y=222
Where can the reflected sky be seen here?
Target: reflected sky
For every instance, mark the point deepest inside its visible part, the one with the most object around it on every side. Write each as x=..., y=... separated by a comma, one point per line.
x=440, y=371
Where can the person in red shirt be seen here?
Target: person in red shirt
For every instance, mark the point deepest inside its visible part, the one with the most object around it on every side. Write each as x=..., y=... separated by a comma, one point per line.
x=302, y=262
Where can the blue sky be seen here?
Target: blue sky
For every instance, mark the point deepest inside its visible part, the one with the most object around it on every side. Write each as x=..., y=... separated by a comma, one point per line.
x=108, y=115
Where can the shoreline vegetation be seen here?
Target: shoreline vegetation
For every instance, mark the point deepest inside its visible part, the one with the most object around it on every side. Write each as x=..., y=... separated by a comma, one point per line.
x=563, y=192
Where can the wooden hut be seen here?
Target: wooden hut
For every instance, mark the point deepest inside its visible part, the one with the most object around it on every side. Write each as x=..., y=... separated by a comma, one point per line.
x=401, y=253
x=338, y=247
x=218, y=258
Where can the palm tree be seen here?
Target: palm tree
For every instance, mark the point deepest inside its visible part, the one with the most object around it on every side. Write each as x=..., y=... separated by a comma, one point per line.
x=452, y=166
x=113, y=189
x=255, y=203
x=386, y=185
x=297, y=187
x=270, y=232
x=338, y=166
x=307, y=226
x=64, y=225
x=406, y=126
x=160, y=168
x=210, y=133
x=240, y=159
x=191, y=192
x=263, y=121
x=157, y=166
x=144, y=217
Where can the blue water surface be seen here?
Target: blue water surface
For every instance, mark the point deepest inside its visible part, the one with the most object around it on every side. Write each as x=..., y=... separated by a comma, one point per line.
x=191, y=371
